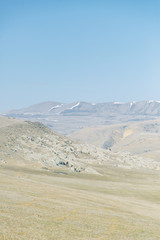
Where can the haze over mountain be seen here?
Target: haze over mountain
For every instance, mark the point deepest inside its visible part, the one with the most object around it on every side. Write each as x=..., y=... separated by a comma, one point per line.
x=69, y=117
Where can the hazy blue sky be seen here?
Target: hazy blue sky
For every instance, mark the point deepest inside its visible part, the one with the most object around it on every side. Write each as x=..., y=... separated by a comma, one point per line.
x=95, y=51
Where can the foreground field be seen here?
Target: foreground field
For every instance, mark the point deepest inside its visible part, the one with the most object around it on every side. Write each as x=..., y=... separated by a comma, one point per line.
x=47, y=205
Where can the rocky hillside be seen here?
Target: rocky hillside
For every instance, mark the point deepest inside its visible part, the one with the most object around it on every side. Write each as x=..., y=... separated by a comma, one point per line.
x=34, y=145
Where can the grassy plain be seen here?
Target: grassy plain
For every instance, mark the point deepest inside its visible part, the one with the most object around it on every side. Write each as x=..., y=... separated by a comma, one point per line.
x=54, y=205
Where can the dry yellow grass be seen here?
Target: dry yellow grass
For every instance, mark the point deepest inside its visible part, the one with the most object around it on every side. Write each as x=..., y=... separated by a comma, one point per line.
x=39, y=205
x=60, y=204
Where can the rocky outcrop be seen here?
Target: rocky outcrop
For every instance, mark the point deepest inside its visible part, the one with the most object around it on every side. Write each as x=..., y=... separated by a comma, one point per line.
x=34, y=145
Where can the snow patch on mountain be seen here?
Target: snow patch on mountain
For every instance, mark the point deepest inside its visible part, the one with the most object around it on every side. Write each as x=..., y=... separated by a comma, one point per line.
x=131, y=103
x=75, y=106
x=152, y=101
x=57, y=106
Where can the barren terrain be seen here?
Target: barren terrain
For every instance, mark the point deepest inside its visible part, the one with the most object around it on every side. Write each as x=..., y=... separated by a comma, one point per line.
x=141, y=138
x=55, y=188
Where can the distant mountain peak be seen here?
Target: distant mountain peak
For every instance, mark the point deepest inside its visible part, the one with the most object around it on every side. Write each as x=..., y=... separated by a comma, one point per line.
x=68, y=117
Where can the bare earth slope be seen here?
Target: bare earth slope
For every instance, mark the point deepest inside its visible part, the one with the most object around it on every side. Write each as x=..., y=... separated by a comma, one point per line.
x=140, y=138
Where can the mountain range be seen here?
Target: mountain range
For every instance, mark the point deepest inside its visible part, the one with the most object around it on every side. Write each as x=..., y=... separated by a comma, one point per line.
x=66, y=118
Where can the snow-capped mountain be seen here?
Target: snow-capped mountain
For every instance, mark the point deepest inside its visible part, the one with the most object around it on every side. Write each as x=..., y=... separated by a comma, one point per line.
x=68, y=117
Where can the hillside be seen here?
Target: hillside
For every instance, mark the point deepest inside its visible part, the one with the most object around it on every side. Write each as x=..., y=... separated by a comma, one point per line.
x=57, y=188
x=140, y=138
x=121, y=204
x=36, y=146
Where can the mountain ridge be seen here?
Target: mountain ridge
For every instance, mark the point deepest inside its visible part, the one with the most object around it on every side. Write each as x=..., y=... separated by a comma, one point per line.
x=66, y=118
x=139, y=107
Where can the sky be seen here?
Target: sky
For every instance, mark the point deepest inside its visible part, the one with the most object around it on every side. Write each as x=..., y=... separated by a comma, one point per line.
x=88, y=50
